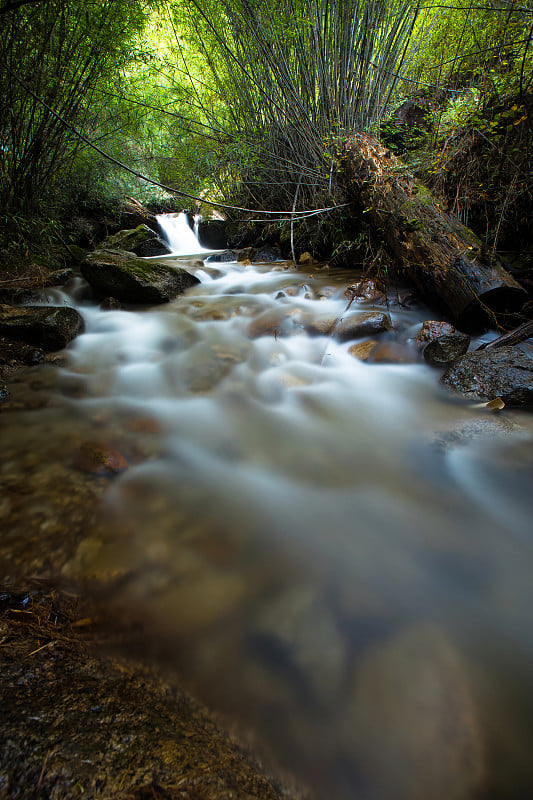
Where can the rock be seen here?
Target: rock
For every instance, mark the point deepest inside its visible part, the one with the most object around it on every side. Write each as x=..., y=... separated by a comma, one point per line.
x=351, y=325
x=76, y=723
x=246, y=254
x=99, y=458
x=110, y=304
x=411, y=719
x=362, y=350
x=128, y=278
x=393, y=353
x=298, y=625
x=269, y=323
x=432, y=329
x=445, y=349
x=141, y=241
x=4, y=392
x=503, y=372
x=49, y=327
x=14, y=353
x=306, y=259
x=365, y=291
x=212, y=234
x=413, y=114
x=267, y=254
x=222, y=258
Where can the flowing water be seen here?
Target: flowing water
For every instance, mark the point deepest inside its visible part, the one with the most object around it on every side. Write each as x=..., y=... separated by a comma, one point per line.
x=337, y=555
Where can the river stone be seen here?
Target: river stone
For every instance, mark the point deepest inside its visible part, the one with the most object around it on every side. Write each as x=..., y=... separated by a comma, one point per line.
x=48, y=327
x=433, y=329
x=445, y=349
x=222, y=258
x=267, y=255
x=141, y=241
x=352, y=325
x=362, y=350
x=411, y=719
x=298, y=627
x=115, y=273
x=495, y=372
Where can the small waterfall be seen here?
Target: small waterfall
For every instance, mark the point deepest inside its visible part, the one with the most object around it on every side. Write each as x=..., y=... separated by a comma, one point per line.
x=180, y=236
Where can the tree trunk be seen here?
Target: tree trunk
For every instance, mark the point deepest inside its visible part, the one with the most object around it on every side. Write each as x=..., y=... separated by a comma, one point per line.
x=445, y=260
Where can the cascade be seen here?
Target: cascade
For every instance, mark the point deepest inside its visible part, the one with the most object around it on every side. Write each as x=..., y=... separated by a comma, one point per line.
x=180, y=236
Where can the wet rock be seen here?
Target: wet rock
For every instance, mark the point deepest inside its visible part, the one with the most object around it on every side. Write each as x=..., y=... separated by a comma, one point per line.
x=306, y=259
x=432, y=329
x=267, y=254
x=287, y=630
x=412, y=722
x=13, y=353
x=4, y=392
x=99, y=458
x=110, y=304
x=393, y=353
x=141, y=241
x=246, y=254
x=78, y=725
x=352, y=325
x=445, y=349
x=222, y=258
x=49, y=327
x=367, y=324
x=212, y=234
x=504, y=372
x=270, y=323
x=362, y=350
x=365, y=291
x=127, y=278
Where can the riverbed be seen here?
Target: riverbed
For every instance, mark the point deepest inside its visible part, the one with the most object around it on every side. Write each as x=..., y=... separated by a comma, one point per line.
x=335, y=554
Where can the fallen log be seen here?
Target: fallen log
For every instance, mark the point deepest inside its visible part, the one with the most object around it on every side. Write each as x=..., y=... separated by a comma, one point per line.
x=446, y=261
x=520, y=334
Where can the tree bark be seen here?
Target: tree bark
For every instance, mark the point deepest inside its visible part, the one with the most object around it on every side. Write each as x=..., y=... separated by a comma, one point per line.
x=445, y=260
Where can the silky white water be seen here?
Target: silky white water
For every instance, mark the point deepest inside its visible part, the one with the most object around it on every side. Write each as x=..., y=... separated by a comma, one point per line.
x=337, y=555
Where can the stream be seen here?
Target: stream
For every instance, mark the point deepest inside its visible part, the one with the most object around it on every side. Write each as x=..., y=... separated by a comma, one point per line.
x=335, y=555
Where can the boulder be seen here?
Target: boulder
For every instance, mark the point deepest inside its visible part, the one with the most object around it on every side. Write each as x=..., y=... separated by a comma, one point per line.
x=212, y=234
x=503, y=372
x=142, y=241
x=445, y=349
x=126, y=277
x=48, y=327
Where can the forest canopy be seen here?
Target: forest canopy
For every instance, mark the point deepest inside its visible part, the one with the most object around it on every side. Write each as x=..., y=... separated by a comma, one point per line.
x=247, y=102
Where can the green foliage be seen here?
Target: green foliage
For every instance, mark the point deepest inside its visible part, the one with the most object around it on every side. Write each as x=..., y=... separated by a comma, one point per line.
x=54, y=56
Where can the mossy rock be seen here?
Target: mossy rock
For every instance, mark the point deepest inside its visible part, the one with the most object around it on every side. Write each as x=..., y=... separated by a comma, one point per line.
x=48, y=327
x=119, y=274
x=142, y=241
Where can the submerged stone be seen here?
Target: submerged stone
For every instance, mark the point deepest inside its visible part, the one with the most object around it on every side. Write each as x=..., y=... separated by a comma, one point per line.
x=48, y=327
x=126, y=277
x=500, y=372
